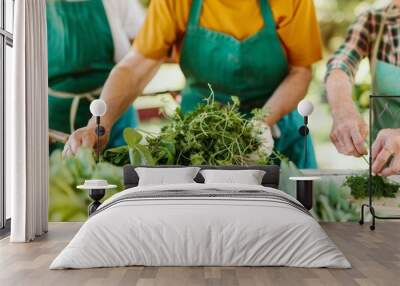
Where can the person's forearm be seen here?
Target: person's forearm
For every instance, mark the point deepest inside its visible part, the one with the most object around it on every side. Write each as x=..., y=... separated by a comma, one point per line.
x=348, y=129
x=286, y=97
x=126, y=81
x=339, y=92
x=119, y=92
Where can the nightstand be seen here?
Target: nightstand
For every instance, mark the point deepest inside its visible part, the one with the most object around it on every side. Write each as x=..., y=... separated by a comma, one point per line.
x=304, y=190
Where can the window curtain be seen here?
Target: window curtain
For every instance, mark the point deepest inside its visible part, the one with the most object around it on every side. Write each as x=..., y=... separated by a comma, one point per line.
x=27, y=124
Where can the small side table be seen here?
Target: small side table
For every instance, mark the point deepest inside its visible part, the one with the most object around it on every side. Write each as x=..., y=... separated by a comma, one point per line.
x=304, y=190
x=96, y=193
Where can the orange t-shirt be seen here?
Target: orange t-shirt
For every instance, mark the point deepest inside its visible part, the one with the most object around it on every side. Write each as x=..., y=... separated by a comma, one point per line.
x=295, y=21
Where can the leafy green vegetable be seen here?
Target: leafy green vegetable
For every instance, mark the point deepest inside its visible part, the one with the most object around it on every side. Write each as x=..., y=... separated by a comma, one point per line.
x=381, y=187
x=119, y=156
x=138, y=154
x=213, y=134
x=66, y=203
x=131, y=137
x=134, y=153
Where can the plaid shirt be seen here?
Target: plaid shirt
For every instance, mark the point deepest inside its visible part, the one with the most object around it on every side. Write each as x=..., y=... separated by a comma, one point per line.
x=360, y=41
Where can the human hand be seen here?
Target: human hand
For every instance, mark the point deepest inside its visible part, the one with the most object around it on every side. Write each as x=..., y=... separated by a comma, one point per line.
x=266, y=137
x=85, y=136
x=349, y=132
x=385, y=148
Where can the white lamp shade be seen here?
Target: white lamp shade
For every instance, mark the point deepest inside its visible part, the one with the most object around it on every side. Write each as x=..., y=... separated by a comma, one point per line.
x=305, y=108
x=98, y=107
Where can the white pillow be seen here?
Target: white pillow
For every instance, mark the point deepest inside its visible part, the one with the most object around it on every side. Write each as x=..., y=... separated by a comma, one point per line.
x=166, y=176
x=248, y=177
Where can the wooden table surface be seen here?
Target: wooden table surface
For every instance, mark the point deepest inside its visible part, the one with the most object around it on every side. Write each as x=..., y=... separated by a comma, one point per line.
x=375, y=257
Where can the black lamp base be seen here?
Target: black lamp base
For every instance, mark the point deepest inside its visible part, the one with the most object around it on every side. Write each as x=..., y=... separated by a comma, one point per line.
x=304, y=193
x=96, y=195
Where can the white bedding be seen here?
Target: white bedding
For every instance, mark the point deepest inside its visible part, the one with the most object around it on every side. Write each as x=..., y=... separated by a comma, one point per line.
x=189, y=231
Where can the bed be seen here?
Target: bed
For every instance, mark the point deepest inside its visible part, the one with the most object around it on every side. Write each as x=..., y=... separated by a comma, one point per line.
x=198, y=224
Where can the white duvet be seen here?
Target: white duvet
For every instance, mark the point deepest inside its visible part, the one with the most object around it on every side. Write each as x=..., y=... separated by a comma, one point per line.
x=200, y=231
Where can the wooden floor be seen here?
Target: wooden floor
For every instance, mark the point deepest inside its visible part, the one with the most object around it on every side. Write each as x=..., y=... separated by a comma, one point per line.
x=375, y=257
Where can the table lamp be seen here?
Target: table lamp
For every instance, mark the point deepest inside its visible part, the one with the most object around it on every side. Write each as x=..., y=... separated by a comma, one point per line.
x=96, y=187
x=305, y=108
x=98, y=108
x=304, y=184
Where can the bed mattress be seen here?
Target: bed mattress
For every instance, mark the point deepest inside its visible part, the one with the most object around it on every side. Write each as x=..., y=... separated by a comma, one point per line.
x=201, y=225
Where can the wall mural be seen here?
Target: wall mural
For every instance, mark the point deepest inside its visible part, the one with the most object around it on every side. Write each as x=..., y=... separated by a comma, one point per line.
x=169, y=138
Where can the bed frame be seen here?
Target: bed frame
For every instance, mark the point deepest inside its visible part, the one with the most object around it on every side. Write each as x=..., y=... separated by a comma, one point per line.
x=271, y=177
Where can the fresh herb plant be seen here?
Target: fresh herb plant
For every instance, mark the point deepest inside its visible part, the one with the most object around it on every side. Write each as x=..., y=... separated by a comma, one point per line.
x=134, y=153
x=381, y=187
x=213, y=134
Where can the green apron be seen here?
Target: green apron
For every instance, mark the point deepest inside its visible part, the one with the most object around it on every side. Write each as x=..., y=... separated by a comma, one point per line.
x=80, y=58
x=251, y=69
x=386, y=85
x=386, y=107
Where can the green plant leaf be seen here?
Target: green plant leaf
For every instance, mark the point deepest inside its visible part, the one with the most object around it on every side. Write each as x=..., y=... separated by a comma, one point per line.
x=66, y=202
x=132, y=137
x=146, y=157
x=358, y=185
x=118, y=156
x=134, y=157
x=235, y=100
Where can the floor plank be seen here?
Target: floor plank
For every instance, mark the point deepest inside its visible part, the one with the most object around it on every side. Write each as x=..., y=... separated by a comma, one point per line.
x=375, y=257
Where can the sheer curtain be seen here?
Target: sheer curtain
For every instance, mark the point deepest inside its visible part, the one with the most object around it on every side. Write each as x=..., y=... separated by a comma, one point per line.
x=27, y=124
